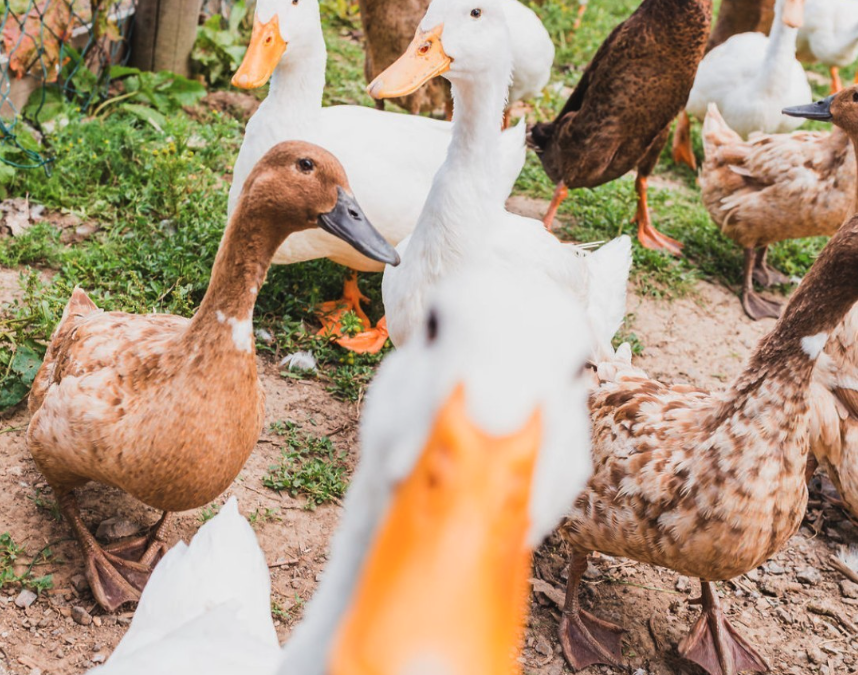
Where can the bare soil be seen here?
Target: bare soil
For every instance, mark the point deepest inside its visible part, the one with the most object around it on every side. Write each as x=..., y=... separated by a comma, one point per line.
x=795, y=609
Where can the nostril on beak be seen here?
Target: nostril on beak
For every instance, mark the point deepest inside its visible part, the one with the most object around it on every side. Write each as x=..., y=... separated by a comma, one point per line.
x=354, y=214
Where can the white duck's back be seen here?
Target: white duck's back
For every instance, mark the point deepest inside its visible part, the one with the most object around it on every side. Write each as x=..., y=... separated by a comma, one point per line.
x=751, y=77
x=206, y=608
x=830, y=32
x=532, y=51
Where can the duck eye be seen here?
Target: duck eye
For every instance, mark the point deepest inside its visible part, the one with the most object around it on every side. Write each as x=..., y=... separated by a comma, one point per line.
x=476, y=13
x=582, y=369
x=306, y=165
x=432, y=327
x=294, y=2
x=855, y=96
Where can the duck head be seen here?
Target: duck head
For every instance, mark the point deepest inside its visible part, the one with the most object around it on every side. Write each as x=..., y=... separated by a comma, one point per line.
x=461, y=40
x=297, y=186
x=840, y=108
x=473, y=445
x=792, y=13
x=279, y=26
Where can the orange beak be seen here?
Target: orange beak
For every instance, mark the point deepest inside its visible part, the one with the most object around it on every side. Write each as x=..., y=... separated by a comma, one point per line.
x=423, y=60
x=444, y=588
x=793, y=15
x=264, y=52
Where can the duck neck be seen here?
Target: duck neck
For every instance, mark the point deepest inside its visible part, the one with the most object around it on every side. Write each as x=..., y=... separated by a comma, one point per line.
x=838, y=134
x=780, y=54
x=772, y=391
x=473, y=158
x=298, y=82
x=239, y=270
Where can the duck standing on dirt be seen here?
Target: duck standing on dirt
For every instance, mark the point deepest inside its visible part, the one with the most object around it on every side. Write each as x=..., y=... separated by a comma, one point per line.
x=774, y=187
x=708, y=485
x=168, y=408
x=618, y=118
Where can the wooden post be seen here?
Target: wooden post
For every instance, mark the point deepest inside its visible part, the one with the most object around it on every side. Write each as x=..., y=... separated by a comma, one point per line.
x=163, y=34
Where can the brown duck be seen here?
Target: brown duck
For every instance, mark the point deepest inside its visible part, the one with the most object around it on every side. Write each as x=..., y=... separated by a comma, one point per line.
x=618, y=118
x=774, y=187
x=388, y=27
x=168, y=408
x=709, y=485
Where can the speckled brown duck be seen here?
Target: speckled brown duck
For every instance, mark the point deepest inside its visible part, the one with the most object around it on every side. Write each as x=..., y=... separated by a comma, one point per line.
x=168, y=408
x=618, y=118
x=709, y=485
x=774, y=187
x=388, y=27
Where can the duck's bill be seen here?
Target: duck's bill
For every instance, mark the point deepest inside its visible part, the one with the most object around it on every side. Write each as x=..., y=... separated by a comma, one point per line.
x=264, y=52
x=793, y=13
x=348, y=222
x=424, y=59
x=820, y=110
x=443, y=588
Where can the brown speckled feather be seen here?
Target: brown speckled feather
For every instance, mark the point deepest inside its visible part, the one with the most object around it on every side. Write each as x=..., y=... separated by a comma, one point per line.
x=834, y=410
x=629, y=94
x=776, y=186
x=712, y=485
x=388, y=27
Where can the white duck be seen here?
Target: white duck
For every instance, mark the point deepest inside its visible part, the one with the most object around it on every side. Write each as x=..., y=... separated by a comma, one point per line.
x=464, y=217
x=532, y=53
x=391, y=157
x=466, y=465
x=829, y=35
x=751, y=77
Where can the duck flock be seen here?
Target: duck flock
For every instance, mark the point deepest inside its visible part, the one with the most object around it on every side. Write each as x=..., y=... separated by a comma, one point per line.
x=467, y=464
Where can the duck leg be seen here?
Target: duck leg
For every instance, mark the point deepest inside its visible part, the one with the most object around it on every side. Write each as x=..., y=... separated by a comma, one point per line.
x=113, y=580
x=683, y=152
x=756, y=306
x=714, y=644
x=370, y=341
x=146, y=550
x=648, y=236
x=836, y=82
x=506, y=118
x=331, y=313
x=582, y=7
x=586, y=639
x=765, y=275
x=560, y=193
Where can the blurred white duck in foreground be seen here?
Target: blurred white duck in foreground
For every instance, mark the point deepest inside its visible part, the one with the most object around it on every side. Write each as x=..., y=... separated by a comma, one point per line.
x=472, y=450
x=390, y=158
x=464, y=217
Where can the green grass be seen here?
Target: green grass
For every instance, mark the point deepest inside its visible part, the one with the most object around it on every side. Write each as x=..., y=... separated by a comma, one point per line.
x=10, y=559
x=159, y=198
x=310, y=466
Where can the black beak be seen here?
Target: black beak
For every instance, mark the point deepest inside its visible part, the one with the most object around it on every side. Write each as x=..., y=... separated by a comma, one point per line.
x=821, y=110
x=348, y=222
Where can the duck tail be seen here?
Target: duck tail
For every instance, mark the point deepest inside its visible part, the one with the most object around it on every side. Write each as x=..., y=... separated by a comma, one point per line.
x=608, y=271
x=540, y=135
x=716, y=132
x=79, y=304
x=221, y=574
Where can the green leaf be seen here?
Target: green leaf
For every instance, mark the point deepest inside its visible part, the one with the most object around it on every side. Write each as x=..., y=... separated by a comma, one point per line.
x=12, y=391
x=146, y=114
x=236, y=16
x=26, y=363
x=122, y=71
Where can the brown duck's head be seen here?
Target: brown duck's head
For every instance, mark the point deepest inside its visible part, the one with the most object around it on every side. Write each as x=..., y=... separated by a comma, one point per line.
x=840, y=109
x=298, y=186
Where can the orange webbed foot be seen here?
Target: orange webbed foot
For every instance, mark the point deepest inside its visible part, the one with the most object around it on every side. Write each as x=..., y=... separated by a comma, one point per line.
x=369, y=341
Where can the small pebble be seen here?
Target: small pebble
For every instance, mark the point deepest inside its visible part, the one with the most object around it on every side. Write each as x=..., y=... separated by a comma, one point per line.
x=81, y=616
x=98, y=658
x=80, y=583
x=683, y=584
x=849, y=589
x=809, y=575
x=117, y=528
x=25, y=598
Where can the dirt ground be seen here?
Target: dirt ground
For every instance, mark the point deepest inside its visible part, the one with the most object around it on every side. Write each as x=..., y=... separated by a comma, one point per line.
x=796, y=608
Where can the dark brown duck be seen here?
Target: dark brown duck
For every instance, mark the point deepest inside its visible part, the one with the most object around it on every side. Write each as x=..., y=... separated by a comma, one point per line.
x=618, y=118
